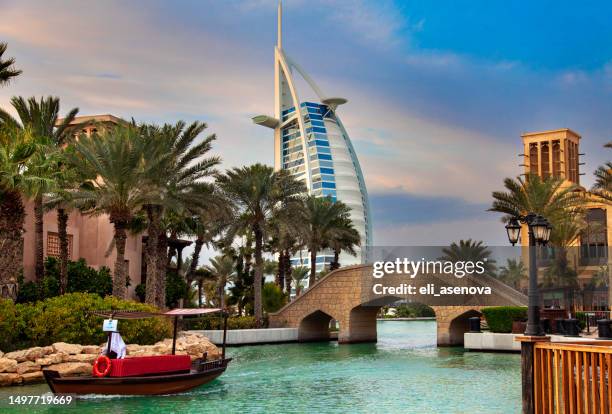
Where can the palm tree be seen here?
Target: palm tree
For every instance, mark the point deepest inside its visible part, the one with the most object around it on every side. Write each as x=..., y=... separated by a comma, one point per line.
x=116, y=184
x=346, y=239
x=285, y=229
x=257, y=192
x=17, y=148
x=201, y=276
x=470, y=251
x=298, y=275
x=6, y=67
x=548, y=197
x=603, y=180
x=41, y=118
x=222, y=269
x=322, y=220
x=67, y=180
x=512, y=273
x=206, y=226
x=176, y=168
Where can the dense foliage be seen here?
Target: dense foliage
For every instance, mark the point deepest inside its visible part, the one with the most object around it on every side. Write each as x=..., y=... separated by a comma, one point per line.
x=500, y=318
x=176, y=289
x=414, y=310
x=66, y=318
x=216, y=322
x=81, y=278
x=273, y=297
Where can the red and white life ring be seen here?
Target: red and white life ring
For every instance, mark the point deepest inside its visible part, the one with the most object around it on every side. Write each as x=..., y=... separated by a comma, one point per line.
x=102, y=366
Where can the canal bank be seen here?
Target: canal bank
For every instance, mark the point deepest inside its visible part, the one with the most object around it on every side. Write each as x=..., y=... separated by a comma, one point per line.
x=268, y=336
x=403, y=373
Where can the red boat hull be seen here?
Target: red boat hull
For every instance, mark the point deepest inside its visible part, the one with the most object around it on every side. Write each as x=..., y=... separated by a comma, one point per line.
x=144, y=385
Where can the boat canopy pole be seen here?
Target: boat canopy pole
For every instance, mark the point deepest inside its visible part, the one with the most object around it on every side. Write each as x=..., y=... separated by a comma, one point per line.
x=110, y=337
x=225, y=314
x=174, y=335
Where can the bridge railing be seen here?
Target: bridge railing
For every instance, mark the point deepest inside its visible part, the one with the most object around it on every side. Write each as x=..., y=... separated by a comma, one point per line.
x=572, y=377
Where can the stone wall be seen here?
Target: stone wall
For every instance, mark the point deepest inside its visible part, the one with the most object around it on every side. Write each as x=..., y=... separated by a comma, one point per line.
x=25, y=366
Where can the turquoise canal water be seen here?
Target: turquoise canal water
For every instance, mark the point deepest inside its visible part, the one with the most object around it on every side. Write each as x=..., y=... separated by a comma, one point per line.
x=403, y=373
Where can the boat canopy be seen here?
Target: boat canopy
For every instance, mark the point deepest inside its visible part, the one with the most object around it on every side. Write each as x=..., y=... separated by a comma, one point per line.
x=191, y=311
x=136, y=314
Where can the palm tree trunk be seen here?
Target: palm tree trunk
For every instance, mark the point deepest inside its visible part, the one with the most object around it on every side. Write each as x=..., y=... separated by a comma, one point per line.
x=222, y=294
x=313, y=268
x=287, y=269
x=336, y=263
x=280, y=272
x=153, y=230
x=62, y=225
x=200, y=293
x=12, y=216
x=39, y=253
x=195, y=258
x=171, y=250
x=258, y=274
x=162, y=246
x=119, y=278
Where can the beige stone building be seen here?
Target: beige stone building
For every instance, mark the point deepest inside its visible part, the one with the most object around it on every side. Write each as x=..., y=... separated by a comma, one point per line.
x=557, y=153
x=89, y=237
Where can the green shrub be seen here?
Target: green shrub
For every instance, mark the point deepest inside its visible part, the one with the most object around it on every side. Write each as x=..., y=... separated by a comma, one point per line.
x=176, y=289
x=500, y=318
x=141, y=292
x=216, y=322
x=582, y=317
x=414, y=310
x=81, y=278
x=28, y=291
x=9, y=320
x=273, y=297
x=66, y=319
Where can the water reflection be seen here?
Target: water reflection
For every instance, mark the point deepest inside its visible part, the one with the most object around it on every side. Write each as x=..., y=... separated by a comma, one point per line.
x=403, y=373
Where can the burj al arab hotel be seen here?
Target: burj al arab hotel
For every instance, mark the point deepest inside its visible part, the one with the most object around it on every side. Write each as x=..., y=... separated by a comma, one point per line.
x=311, y=143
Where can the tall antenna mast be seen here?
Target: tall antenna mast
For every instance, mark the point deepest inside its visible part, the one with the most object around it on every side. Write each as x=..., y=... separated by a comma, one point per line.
x=279, y=42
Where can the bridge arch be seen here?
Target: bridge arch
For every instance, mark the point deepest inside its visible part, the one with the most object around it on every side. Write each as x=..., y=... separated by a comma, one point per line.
x=338, y=296
x=314, y=327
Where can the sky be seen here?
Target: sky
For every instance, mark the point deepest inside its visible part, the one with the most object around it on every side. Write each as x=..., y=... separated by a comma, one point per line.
x=439, y=92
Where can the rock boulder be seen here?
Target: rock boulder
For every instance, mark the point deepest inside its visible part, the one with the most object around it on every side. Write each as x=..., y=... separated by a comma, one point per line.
x=27, y=366
x=8, y=365
x=51, y=359
x=64, y=348
x=32, y=377
x=10, y=379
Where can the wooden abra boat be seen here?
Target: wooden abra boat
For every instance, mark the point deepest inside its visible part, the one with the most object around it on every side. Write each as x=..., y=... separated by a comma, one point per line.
x=162, y=374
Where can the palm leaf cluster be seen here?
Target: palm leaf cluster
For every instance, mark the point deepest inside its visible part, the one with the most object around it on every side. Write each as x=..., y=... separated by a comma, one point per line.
x=470, y=251
x=603, y=180
x=561, y=204
x=7, y=70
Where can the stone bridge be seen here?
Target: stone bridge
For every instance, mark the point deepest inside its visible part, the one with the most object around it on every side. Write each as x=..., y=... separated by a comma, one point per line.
x=341, y=295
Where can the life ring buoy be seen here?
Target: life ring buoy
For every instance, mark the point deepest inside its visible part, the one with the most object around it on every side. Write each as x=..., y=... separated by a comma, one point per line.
x=106, y=366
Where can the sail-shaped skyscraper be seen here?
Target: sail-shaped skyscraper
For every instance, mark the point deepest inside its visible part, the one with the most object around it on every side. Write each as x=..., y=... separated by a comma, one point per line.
x=311, y=143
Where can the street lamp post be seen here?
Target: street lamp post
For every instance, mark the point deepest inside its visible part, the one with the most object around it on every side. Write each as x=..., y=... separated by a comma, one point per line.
x=539, y=233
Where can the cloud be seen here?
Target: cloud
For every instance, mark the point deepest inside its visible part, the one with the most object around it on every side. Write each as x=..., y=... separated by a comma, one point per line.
x=442, y=233
x=378, y=22
x=399, y=207
x=436, y=130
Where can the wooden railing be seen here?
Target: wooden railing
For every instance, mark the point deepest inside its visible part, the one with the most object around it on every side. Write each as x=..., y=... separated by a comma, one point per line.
x=572, y=378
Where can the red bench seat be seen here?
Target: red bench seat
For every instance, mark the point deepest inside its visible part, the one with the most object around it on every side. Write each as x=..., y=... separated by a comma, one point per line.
x=130, y=367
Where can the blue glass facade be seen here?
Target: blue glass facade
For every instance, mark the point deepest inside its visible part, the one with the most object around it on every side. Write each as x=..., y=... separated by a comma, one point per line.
x=319, y=152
